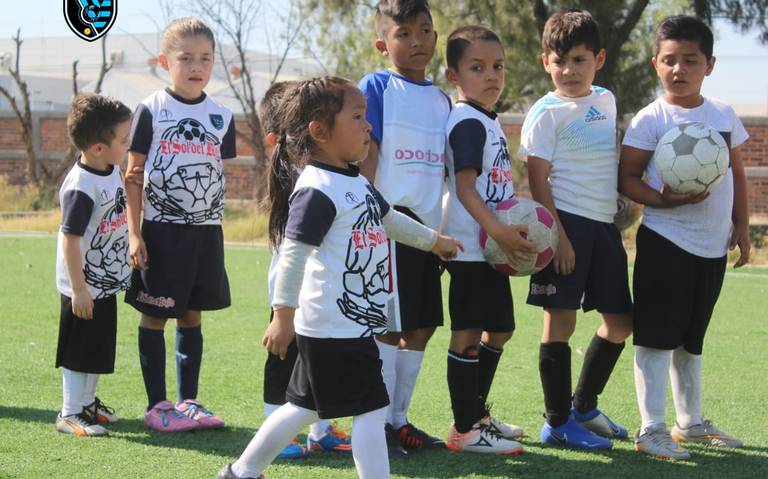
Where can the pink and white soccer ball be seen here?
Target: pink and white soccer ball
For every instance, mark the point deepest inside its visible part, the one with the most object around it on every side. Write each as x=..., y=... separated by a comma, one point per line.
x=691, y=158
x=542, y=231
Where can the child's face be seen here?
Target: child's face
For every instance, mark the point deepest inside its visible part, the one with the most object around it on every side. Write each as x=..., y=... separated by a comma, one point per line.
x=480, y=75
x=114, y=152
x=573, y=73
x=350, y=137
x=682, y=67
x=190, y=65
x=409, y=45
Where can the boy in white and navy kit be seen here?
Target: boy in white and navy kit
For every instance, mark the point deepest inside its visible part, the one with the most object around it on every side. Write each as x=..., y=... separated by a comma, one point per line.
x=682, y=243
x=569, y=141
x=91, y=260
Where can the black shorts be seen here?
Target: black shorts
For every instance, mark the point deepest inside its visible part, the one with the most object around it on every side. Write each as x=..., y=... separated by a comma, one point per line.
x=675, y=293
x=337, y=377
x=418, y=298
x=88, y=346
x=479, y=297
x=186, y=271
x=277, y=373
x=599, y=280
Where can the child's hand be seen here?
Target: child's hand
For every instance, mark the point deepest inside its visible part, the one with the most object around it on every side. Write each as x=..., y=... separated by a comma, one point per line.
x=670, y=199
x=82, y=304
x=279, y=333
x=512, y=242
x=564, y=261
x=740, y=238
x=135, y=176
x=138, y=253
x=446, y=248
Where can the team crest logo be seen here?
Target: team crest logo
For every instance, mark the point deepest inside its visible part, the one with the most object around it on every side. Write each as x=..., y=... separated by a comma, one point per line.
x=217, y=120
x=90, y=19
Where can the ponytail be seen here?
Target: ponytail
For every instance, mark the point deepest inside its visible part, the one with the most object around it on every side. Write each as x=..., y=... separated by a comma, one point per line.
x=282, y=178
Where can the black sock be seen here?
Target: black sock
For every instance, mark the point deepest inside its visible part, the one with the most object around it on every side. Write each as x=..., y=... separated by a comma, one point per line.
x=462, y=385
x=598, y=365
x=555, y=371
x=152, y=358
x=488, y=361
x=189, y=355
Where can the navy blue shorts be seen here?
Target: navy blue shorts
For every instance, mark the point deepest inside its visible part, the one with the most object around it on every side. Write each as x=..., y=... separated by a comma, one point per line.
x=88, y=346
x=479, y=297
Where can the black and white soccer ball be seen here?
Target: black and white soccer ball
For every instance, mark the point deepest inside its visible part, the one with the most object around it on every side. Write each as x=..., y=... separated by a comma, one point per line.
x=691, y=158
x=191, y=130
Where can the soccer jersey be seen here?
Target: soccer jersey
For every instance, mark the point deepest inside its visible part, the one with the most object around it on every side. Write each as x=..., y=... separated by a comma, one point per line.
x=408, y=123
x=475, y=140
x=346, y=282
x=578, y=137
x=93, y=208
x=704, y=228
x=185, y=142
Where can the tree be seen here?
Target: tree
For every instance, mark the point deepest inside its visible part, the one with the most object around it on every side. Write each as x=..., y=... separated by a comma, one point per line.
x=745, y=14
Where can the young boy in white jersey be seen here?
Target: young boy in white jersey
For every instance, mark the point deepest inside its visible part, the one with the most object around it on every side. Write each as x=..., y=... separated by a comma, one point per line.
x=180, y=137
x=323, y=435
x=480, y=298
x=91, y=260
x=569, y=141
x=406, y=163
x=681, y=244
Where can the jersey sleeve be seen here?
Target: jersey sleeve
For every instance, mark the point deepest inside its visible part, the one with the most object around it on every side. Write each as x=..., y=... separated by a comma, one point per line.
x=539, y=134
x=76, y=209
x=310, y=215
x=228, y=143
x=372, y=86
x=383, y=204
x=467, y=140
x=141, y=130
x=739, y=134
x=641, y=132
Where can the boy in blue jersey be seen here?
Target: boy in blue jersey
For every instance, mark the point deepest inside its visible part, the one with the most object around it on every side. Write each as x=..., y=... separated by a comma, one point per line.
x=406, y=164
x=569, y=141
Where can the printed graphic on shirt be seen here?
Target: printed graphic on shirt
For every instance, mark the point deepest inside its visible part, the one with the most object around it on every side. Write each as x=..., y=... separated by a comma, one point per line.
x=499, y=186
x=105, y=265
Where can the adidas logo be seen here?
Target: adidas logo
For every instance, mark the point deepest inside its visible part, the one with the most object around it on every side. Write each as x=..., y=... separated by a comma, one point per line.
x=594, y=115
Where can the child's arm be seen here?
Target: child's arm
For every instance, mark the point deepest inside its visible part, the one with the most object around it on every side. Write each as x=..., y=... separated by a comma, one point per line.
x=138, y=250
x=564, y=261
x=404, y=230
x=740, y=216
x=82, y=303
x=368, y=166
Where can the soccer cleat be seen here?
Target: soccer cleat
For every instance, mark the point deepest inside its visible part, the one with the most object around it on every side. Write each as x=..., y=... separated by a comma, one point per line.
x=204, y=418
x=597, y=422
x=705, y=433
x=482, y=439
x=334, y=440
x=507, y=431
x=227, y=473
x=411, y=437
x=103, y=413
x=656, y=441
x=573, y=435
x=293, y=450
x=394, y=448
x=164, y=417
x=81, y=424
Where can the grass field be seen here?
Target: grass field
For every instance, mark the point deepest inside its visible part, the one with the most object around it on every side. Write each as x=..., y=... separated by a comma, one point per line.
x=30, y=390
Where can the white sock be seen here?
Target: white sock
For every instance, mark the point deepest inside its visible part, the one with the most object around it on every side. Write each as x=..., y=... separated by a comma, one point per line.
x=685, y=374
x=270, y=408
x=651, y=373
x=369, y=446
x=73, y=388
x=89, y=395
x=318, y=429
x=277, y=430
x=388, y=356
x=408, y=364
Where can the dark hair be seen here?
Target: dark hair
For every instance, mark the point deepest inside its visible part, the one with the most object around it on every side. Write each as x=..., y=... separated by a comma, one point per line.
x=92, y=119
x=318, y=99
x=270, y=103
x=568, y=28
x=462, y=38
x=684, y=27
x=182, y=27
x=400, y=11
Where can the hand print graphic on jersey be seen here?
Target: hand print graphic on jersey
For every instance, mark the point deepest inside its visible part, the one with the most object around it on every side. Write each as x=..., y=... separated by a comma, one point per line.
x=366, y=281
x=192, y=193
x=500, y=176
x=106, y=265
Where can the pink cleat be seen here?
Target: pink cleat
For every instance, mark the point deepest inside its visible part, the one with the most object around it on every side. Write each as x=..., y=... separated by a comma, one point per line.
x=204, y=418
x=164, y=417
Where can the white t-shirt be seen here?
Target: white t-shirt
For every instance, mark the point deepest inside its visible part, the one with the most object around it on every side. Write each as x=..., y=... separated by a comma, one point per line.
x=408, y=123
x=703, y=229
x=185, y=142
x=347, y=277
x=475, y=140
x=578, y=137
x=93, y=207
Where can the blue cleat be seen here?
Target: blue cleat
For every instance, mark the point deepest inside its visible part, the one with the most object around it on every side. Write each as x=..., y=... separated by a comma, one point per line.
x=293, y=450
x=597, y=422
x=573, y=435
x=334, y=440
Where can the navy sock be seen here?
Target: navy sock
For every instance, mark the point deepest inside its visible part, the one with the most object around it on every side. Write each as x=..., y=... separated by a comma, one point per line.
x=152, y=358
x=488, y=362
x=189, y=355
x=462, y=386
x=555, y=371
x=598, y=365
